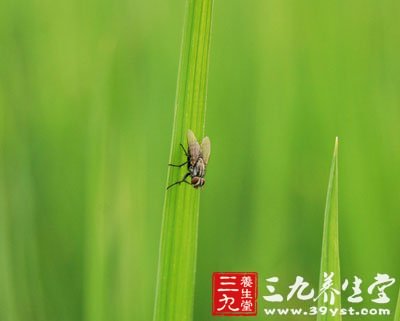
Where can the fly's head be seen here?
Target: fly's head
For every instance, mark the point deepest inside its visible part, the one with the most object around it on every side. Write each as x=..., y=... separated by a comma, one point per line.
x=198, y=181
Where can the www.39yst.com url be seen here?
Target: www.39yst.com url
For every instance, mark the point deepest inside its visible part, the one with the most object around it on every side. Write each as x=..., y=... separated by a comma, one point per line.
x=327, y=311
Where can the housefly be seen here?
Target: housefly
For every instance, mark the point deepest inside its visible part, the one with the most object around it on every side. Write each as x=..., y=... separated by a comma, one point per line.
x=197, y=159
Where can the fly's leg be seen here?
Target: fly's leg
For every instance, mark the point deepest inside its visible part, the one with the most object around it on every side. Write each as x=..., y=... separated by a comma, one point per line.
x=182, y=181
x=184, y=150
x=180, y=165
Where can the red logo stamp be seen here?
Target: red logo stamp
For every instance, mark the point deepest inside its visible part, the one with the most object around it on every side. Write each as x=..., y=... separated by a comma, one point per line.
x=234, y=293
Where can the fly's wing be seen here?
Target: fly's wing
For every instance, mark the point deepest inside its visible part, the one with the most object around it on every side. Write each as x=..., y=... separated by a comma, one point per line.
x=193, y=147
x=206, y=149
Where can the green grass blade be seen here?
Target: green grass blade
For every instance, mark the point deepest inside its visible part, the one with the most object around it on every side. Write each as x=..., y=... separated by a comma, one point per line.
x=397, y=315
x=330, y=243
x=178, y=247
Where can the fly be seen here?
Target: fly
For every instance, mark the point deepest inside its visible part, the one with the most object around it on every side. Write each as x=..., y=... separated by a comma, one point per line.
x=197, y=159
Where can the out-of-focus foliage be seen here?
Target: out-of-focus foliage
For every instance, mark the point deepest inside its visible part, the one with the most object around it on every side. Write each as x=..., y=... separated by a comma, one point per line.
x=330, y=257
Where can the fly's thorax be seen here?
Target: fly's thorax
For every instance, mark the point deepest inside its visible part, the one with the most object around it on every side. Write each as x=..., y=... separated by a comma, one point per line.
x=202, y=167
x=192, y=166
x=192, y=161
x=199, y=169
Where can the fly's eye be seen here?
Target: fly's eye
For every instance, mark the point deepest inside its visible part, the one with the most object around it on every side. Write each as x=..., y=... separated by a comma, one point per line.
x=198, y=182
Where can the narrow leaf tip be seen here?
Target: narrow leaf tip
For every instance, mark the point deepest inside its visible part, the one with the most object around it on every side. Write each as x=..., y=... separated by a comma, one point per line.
x=336, y=146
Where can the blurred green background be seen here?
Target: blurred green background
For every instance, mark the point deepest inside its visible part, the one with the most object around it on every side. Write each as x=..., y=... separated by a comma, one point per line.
x=87, y=91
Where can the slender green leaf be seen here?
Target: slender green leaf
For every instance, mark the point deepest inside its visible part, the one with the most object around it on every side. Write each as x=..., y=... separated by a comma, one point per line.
x=330, y=245
x=397, y=315
x=178, y=246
